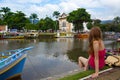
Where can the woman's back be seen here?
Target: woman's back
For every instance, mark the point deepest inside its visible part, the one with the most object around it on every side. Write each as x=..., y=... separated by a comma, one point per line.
x=101, y=54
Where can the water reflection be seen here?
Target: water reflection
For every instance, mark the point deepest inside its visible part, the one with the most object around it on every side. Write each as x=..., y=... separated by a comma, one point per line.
x=50, y=56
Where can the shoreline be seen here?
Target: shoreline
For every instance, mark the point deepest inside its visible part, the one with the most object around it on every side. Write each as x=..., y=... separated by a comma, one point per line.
x=57, y=77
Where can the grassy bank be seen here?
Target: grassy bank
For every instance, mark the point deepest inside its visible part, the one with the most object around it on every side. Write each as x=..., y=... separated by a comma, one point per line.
x=80, y=75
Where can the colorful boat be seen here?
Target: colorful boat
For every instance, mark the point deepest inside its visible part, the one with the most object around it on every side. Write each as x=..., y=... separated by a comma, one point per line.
x=82, y=35
x=12, y=62
x=12, y=36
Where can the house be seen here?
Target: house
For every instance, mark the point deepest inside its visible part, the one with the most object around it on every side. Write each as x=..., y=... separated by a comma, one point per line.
x=64, y=25
x=3, y=28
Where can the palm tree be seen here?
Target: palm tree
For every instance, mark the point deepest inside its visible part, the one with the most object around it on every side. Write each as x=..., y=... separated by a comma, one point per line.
x=33, y=16
x=5, y=10
x=1, y=15
x=56, y=14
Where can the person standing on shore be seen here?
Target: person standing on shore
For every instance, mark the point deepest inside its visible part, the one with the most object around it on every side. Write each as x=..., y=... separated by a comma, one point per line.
x=96, y=52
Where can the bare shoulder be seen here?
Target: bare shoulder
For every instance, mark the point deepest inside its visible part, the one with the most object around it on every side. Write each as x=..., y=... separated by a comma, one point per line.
x=95, y=42
x=98, y=44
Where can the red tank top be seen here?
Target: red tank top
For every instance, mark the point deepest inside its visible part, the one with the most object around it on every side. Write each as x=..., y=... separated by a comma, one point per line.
x=101, y=59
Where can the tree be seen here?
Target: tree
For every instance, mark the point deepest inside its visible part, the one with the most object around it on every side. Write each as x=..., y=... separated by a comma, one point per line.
x=56, y=14
x=33, y=16
x=16, y=20
x=5, y=10
x=1, y=15
x=116, y=24
x=1, y=18
x=30, y=26
x=77, y=17
x=46, y=24
x=41, y=24
x=116, y=20
x=96, y=22
x=9, y=19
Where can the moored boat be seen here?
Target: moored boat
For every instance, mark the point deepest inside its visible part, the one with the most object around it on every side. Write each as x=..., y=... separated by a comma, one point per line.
x=82, y=35
x=31, y=35
x=12, y=62
x=12, y=36
x=64, y=35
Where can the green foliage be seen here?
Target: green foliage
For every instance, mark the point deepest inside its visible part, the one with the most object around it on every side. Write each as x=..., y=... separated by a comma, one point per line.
x=116, y=20
x=77, y=17
x=47, y=23
x=89, y=25
x=96, y=22
x=5, y=10
x=30, y=26
x=80, y=74
x=33, y=16
x=56, y=14
x=16, y=20
x=13, y=20
x=19, y=20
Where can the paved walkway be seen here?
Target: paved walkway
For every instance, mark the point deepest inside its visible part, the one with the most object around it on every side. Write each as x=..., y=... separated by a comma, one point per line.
x=113, y=74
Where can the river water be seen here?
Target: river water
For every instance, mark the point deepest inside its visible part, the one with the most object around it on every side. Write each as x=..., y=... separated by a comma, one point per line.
x=50, y=57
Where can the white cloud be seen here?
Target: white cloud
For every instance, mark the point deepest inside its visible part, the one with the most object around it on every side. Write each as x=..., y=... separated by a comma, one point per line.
x=43, y=11
x=101, y=9
x=22, y=1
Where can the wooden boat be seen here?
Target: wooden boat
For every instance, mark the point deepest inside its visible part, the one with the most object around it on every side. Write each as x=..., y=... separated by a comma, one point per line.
x=12, y=62
x=12, y=36
x=82, y=35
x=31, y=35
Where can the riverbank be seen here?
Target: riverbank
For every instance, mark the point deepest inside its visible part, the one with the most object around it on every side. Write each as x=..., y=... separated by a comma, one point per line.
x=112, y=74
x=109, y=74
x=80, y=75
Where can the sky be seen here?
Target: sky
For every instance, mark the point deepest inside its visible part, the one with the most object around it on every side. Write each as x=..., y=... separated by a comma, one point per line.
x=99, y=9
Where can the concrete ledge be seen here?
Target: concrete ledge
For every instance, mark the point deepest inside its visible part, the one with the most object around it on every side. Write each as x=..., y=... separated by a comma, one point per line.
x=99, y=73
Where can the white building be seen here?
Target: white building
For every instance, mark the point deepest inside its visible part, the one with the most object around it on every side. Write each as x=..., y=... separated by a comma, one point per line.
x=64, y=25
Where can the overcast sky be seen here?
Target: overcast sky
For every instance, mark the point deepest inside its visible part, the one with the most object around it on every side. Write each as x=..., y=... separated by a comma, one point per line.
x=99, y=9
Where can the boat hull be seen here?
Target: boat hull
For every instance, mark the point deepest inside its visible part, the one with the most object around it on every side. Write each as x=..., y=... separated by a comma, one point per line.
x=81, y=36
x=13, y=69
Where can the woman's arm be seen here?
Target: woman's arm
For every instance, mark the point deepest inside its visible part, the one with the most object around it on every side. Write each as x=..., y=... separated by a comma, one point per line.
x=96, y=60
x=86, y=66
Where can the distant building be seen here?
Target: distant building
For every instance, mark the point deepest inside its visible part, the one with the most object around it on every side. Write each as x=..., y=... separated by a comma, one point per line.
x=64, y=25
x=3, y=28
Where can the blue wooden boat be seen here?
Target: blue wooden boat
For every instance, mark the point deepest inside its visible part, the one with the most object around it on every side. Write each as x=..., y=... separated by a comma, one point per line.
x=12, y=62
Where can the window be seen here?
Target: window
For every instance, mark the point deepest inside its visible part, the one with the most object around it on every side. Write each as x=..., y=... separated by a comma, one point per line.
x=64, y=24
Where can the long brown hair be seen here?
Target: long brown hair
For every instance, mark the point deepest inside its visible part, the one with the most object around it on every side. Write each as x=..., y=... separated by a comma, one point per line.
x=95, y=34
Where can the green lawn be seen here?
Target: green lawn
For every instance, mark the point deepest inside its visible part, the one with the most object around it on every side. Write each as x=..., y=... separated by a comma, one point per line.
x=80, y=75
